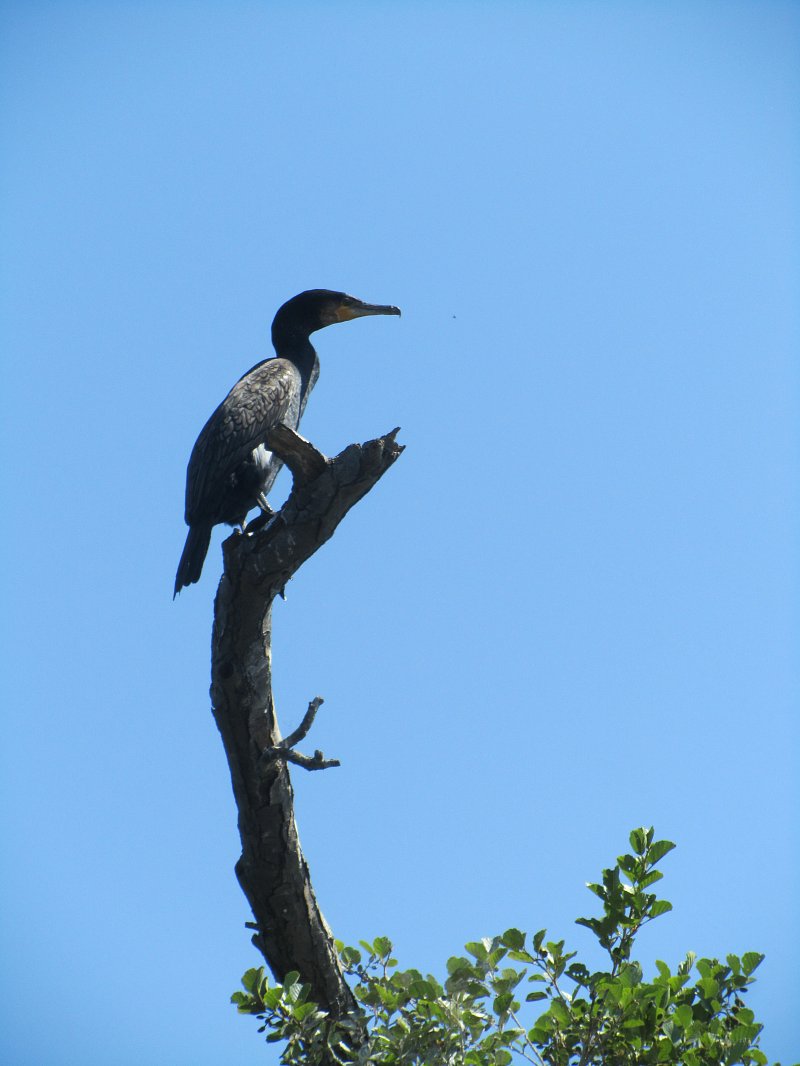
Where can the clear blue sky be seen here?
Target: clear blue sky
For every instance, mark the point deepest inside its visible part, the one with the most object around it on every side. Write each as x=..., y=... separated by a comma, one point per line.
x=576, y=592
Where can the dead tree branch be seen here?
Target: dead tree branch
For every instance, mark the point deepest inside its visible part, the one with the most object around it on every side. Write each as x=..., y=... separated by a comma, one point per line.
x=291, y=932
x=284, y=748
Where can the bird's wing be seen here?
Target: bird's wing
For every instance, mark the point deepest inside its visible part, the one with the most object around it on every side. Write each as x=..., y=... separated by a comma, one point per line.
x=259, y=400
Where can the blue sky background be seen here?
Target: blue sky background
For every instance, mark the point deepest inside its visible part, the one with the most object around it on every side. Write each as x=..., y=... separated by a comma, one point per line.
x=576, y=593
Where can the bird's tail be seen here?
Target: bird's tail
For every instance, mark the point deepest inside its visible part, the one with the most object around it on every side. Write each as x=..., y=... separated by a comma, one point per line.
x=194, y=555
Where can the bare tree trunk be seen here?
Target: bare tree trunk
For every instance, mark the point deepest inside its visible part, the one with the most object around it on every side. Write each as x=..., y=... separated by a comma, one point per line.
x=291, y=932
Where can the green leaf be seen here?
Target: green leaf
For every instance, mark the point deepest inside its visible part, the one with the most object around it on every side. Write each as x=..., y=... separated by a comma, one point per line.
x=302, y=1010
x=545, y=1022
x=683, y=1016
x=271, y=997
x=649, y=879
x=477, y=949
x=383, y=946
x=560, y=1011
x=750, y=960
x=511, y=977
x=687, y=964
x=514, y=939
x=578, y=973
x=709, y=986
x=596, y=925
x=658, y=907
x=638, y=839
x=657, y=851
x=531, y=997
x=252, y=978
x=422, y=989
x=502, y=1002
x=629, y=863
x=293, y=992
x=291, y=979
x=520, y=956
x=457, y=963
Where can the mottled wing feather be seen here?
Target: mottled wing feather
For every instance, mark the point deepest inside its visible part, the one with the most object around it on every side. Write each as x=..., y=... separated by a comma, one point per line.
x=259, y=400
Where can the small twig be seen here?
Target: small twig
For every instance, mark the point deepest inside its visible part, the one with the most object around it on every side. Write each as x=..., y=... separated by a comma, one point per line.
x=284, y=748
x=302, y=730
x=315, y=762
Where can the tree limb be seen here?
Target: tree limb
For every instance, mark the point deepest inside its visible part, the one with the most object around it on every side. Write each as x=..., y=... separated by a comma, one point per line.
x=292, y=933
x=302, y=730
x=317, y=761
x=283, y=749
x=299, y=454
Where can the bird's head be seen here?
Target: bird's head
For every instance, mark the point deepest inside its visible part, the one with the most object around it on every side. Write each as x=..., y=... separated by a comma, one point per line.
x=317, y=308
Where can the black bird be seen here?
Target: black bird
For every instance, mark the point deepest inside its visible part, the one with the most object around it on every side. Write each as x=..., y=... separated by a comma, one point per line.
x=231, y=470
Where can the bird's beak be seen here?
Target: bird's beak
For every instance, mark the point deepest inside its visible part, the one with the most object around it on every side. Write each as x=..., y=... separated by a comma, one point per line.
x=357, y=309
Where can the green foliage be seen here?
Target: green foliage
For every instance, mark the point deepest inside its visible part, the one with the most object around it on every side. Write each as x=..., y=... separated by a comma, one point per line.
x=515, y=998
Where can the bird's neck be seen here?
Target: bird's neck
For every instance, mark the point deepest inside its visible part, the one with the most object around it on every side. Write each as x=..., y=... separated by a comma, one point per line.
x=299, y=350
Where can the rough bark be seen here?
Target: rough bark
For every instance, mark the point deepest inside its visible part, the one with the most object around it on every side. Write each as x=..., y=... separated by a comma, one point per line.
x=291, y=931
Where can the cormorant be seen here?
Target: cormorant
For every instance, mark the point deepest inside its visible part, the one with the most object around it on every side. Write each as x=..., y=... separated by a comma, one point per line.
x=231, y=470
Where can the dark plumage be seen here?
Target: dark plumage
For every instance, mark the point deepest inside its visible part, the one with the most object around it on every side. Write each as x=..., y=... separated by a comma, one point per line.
x=231, y=470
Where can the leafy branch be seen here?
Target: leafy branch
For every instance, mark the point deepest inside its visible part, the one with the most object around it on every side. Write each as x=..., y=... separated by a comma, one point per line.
x=477, y=1016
